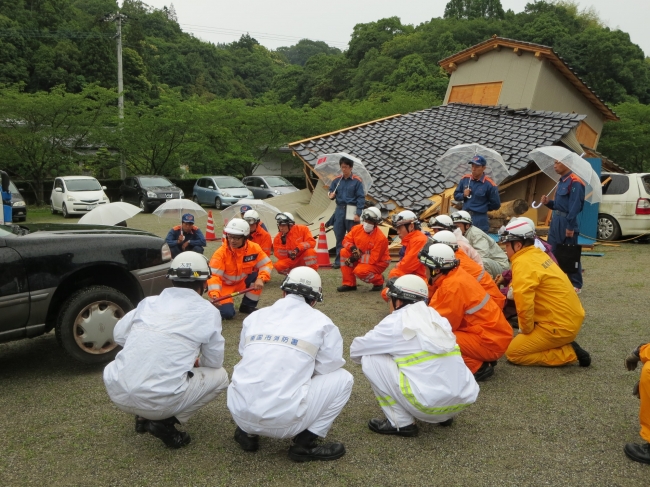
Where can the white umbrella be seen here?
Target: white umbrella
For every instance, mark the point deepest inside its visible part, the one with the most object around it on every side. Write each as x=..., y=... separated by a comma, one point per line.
x=109, y=214
x=327, y=168
x=177, y=208
x=454, y=163
x=267, y=213
x=545, y=158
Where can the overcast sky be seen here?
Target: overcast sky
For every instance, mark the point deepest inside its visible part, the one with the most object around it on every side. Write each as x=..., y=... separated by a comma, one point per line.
x=284, y=22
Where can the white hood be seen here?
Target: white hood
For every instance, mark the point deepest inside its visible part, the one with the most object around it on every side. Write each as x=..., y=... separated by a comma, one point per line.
x=431, y=329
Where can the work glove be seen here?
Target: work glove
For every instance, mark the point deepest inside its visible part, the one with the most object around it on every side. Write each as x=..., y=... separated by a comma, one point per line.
x=356, y=254
x=294, y=253
x=635, y=390
x=632, y=360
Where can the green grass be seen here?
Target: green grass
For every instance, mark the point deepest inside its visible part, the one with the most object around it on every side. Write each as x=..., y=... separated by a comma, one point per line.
x=530, y=425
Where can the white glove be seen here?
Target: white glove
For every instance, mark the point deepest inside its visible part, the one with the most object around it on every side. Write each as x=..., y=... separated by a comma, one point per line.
x=510, y=295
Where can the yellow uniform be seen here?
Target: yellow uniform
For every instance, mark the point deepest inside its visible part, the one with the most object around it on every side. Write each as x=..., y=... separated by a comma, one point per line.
x=549, y=311
x=644, y=392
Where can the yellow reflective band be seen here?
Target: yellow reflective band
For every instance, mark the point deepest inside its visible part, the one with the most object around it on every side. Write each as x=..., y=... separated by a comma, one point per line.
x=386, y=401
x=405, y=387
x=418, y=358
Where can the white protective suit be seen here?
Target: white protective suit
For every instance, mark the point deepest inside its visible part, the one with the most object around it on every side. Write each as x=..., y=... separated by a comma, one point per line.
x=162, y=337
x=290, y=377
x=414, y=366
x=464, y=244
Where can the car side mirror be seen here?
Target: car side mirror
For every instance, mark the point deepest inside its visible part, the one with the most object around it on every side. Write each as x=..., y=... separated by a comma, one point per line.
x=58, y=190
x=104, y=188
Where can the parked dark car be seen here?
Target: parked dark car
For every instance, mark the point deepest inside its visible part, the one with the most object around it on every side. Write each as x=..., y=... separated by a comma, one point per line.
x=78, y=280
x=148, y=192
x=18, y=205
x=268, y=186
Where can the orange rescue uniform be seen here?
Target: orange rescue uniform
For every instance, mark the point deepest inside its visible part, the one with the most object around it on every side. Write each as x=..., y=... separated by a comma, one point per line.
x=410, y=263
x=230, y=268
x=482, y=276
x=481, y=330
x=644, y=392
x=298, y=237
x=374, y=259
x=262, y=238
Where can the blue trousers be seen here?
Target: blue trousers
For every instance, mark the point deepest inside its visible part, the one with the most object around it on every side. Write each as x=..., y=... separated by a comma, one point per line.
x=227, y=310
x=341, y=227
x=557, y=235
x=480, y=220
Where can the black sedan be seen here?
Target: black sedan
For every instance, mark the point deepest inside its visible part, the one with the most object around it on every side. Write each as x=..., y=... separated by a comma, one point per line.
x=148, y=192
x=78, y=280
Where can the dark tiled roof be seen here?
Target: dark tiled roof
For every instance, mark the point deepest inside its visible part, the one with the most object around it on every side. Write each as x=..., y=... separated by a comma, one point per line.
x=400, y=152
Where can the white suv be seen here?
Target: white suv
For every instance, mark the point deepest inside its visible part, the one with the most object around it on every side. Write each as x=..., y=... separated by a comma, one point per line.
x=625, y=209
x=76, y=195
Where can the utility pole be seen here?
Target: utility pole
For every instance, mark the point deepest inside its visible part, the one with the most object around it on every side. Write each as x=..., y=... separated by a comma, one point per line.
x=118, y=17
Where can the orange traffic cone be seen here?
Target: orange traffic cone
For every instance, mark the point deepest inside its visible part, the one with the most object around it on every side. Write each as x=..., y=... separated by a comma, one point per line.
x=322, y=251
x=209, y=231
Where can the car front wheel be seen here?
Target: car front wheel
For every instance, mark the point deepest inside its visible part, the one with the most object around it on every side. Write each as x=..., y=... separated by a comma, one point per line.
x=86, y=321
x=64, y=211
x=196, y=199
x=608, y=228
x=143, y=206
x=217, y=203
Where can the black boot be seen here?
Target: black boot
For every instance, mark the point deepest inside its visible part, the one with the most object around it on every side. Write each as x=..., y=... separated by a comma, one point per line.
x=246, y=309
x=377, y=287
x=140, y=424
x=447, y=423
x=638, y=453
x=484, y=372
x=305, y=448
x=165, y=431
x=383, y=427
x=345, y=288
x=246, y=441
x=584, y=359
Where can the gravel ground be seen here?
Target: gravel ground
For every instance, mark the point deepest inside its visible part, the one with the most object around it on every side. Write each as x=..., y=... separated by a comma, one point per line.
x=530, y=426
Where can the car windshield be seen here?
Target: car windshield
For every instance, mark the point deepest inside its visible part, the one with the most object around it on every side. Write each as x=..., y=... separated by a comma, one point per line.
x=155, y=182
x=277, y=181
x=229, y=183
x=12, y=188
x=82, y=185
x=6, y=231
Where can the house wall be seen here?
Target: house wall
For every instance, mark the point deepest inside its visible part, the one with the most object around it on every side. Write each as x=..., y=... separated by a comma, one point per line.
x=519, y=75
x=554, y=92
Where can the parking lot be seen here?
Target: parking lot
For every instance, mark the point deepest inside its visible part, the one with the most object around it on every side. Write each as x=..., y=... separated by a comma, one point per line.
x=530, y=425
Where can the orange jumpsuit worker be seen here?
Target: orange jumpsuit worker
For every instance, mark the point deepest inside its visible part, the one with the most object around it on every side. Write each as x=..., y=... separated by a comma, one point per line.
x=641, y=453
x=408, y=230
x=548, y=309
x=470, y=266
x=481, y=330
x=365, y=252
x=237, y=265
x=293, y=245
x=258, y=234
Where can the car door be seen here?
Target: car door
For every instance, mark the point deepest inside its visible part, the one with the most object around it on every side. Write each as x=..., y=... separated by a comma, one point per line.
x=211, y=190
x=256, y=185
x=14, y=292
x=57, y=196
x=127, y=192
x=200, y=190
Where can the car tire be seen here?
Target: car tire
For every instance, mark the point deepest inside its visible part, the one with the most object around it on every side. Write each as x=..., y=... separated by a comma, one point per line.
x=196, y=199
x=52, y=210
x=86, y=321
x=64, y=211
x=143, y=206
x=608, y=228
x=217, y=203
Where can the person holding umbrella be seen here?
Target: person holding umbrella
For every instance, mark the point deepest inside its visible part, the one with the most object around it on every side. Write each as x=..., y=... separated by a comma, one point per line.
x=350, y=199
x=479, y=193
x=186, y=237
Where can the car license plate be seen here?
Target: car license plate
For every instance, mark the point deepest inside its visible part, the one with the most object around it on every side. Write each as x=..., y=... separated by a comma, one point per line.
x=90, y=207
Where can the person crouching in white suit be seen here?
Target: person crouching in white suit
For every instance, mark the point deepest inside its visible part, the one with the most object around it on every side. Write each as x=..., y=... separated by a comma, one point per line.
x=157, y=376
x=290, y=382
x=413, y=363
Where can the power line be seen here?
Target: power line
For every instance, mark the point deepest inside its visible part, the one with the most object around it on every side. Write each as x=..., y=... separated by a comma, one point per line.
x=55, y=34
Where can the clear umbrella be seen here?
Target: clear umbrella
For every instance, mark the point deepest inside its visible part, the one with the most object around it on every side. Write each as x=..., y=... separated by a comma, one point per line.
x=454, y=163
x=177, y=208
x=327, y=168
x=545, y=158
x=109, y=214
x=267, y=213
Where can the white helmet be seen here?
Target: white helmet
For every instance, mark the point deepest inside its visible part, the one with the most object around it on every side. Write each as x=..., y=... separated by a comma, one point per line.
x=285, y=217
x=237, y=226
x=371, y=215
x=517, y=231
x=442, y=221
x=461, y=217
x=446, y=237
x=526, y=219
x=404, y=218
x=438, y=256
x=409, y=288
x=305, y=282
x=251, y=216
x=189, y=266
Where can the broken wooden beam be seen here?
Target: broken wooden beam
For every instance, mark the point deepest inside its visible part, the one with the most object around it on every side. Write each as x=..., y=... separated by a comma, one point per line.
x=509, y=209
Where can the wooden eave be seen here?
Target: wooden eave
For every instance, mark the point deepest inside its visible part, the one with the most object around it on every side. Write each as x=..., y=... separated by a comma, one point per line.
x=451, y=63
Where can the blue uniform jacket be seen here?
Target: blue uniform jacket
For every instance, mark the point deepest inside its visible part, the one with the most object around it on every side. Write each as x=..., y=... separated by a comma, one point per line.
x=349, y=192
x=485, y=194
x=569, y=199
x=195, y=237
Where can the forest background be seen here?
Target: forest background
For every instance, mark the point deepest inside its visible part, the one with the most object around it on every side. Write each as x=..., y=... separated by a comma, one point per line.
x=195, y=108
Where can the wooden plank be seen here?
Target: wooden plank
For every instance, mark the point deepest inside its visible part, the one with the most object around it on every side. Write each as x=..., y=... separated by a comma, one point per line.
x=586, y=135
x=504, y=186
x=530, y=189
x=477, y=94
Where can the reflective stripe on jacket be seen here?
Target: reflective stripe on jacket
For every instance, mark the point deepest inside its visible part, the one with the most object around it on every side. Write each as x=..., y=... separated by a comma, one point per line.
x=482, y=277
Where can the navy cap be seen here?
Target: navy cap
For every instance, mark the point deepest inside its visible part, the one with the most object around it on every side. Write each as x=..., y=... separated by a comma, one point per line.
x=244, y=208
x=478, y=160
x=188, y=218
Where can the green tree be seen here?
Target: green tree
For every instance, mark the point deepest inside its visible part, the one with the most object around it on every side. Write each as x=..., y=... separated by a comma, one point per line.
x=627, y=142
x=374, y=35
x=305, y=48
x=41, y=132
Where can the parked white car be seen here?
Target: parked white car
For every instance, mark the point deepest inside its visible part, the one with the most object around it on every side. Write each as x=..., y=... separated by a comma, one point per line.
x=76, y=195
x=625, y=209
